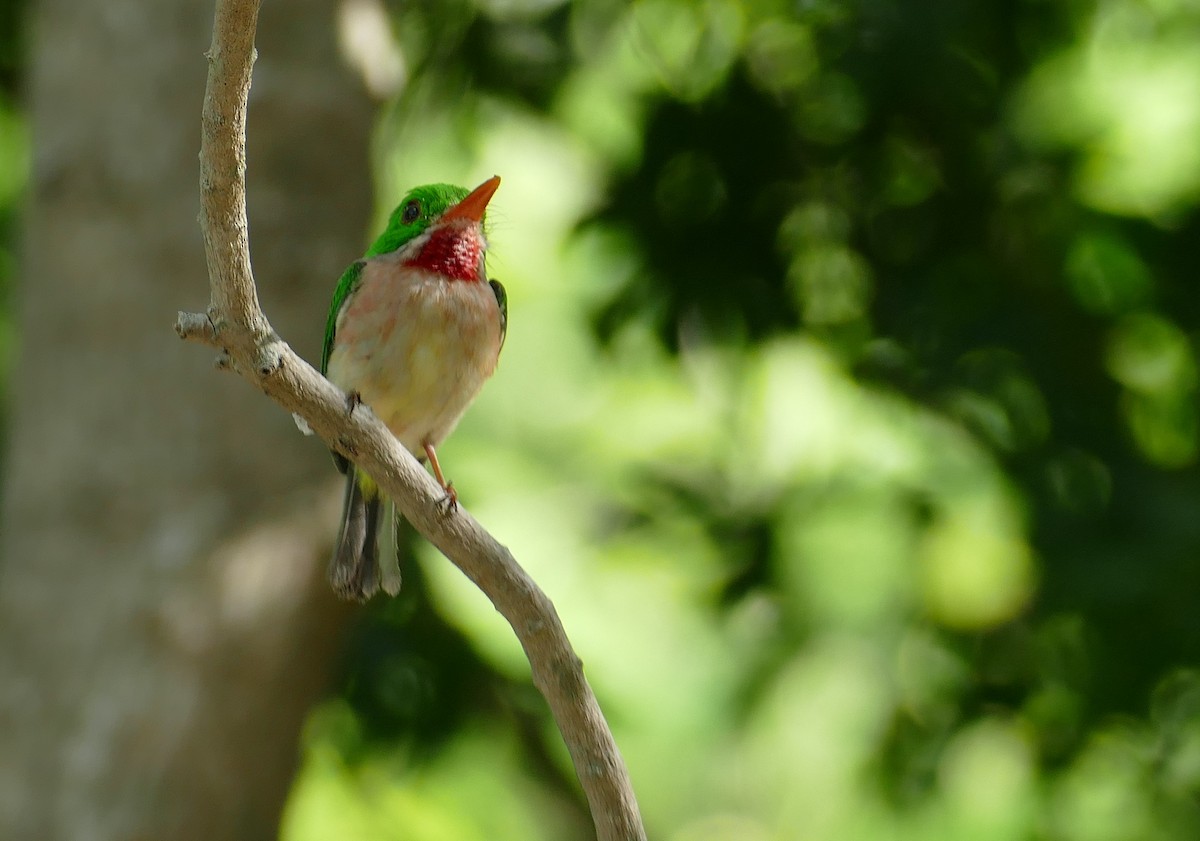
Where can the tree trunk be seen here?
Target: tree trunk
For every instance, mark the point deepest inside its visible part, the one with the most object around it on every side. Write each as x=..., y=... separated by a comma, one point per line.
x=164, y=621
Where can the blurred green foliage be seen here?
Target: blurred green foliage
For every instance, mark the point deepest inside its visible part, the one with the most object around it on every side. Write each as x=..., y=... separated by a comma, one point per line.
x=848, y=413
x=14, y=167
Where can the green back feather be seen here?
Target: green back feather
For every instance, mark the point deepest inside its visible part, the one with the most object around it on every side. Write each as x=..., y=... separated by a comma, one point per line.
x=346, y=285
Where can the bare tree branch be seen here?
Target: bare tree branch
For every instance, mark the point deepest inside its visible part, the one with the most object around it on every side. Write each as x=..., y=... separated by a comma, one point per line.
x=235, y=324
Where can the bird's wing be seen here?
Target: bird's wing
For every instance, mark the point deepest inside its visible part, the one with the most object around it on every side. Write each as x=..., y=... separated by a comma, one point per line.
x=502, y=301
x=345, y=288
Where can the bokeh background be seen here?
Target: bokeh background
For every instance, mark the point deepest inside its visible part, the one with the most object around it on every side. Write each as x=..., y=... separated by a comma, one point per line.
x=848, y=415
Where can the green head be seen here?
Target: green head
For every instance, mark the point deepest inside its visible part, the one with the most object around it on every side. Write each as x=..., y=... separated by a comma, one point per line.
x=425, y=206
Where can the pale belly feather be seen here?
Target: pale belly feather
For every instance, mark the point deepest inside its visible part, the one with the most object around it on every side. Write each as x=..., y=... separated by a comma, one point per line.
x=417, y=348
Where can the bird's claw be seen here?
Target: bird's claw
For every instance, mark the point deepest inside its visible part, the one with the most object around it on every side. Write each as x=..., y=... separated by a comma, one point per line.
x=353, y=399
x=449, y=502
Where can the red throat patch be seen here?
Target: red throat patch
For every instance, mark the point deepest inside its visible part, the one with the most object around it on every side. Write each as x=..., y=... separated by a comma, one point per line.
x=454, y=252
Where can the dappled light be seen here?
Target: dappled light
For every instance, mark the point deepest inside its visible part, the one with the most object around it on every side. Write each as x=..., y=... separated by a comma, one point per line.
x=849, y=413
x=821, y=355
x=1126, y=94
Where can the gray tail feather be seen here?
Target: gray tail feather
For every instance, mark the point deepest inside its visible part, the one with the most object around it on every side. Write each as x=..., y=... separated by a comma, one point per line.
x=354, y=570
x=390, y=549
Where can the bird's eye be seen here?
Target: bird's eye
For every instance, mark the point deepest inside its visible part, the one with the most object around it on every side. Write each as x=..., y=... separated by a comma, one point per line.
x=411, y=211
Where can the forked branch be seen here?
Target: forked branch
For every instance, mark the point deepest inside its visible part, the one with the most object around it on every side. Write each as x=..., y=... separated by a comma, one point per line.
x=235, y=323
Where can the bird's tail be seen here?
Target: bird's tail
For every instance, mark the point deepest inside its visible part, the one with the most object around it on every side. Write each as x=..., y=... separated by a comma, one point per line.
x=354, y=572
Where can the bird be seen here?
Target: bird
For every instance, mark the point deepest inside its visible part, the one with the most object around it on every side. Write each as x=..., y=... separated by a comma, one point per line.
x=414, y=330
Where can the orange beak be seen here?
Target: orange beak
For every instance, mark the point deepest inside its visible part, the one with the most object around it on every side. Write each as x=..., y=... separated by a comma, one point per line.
x=473, y=206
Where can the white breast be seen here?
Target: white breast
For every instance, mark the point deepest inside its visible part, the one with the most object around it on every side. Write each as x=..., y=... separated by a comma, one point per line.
x=416, y=347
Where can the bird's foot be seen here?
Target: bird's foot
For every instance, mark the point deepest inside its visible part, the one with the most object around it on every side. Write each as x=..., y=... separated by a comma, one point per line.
x=353, y=400
x=449, y=502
